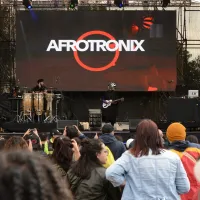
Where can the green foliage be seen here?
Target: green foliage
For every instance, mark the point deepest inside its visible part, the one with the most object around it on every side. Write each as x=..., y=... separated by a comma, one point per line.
x=188, y=71
x=192, y=72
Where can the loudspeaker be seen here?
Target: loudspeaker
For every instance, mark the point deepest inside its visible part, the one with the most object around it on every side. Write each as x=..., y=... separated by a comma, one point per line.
x=62, y=123
x=133, y=124
x=183, y=110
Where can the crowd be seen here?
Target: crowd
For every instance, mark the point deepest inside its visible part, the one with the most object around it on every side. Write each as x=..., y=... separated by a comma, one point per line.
x=68, y=165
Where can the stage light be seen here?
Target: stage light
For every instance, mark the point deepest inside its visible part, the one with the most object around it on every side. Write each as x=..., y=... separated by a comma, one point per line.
x=119, y=3
x=27, y=4
x=73, y=3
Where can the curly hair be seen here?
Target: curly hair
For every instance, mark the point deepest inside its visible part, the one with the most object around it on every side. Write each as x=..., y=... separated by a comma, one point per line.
x=28, y=177
x=16, y=143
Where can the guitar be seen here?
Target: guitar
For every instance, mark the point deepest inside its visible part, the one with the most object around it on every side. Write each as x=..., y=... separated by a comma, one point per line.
x=108, y=103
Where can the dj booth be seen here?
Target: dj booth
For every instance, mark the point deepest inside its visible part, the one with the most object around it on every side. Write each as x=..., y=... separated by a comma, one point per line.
x=183, y=110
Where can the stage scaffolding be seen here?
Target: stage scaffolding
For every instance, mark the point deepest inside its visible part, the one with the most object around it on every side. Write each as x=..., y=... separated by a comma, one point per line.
x=8, y=11
x=7, y=47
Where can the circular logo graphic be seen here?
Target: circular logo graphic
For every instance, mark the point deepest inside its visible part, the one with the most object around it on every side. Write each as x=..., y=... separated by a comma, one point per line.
x=99, y=69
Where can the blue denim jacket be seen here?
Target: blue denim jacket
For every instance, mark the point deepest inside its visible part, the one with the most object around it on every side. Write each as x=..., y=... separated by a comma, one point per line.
x=152, y=177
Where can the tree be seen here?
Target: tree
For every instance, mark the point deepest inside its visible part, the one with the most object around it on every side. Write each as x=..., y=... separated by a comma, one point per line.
x=192, y=73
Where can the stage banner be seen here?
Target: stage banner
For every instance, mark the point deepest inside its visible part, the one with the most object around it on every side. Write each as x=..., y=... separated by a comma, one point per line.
x=84, y=51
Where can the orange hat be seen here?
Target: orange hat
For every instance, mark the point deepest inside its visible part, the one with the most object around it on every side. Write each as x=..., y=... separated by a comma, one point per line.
x=176, y=131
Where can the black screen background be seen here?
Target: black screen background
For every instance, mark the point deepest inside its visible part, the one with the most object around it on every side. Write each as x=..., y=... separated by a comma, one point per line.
x=35, y=29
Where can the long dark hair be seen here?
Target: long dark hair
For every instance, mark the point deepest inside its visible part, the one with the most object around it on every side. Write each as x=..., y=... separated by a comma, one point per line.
x=88, y=160
x=26, y=175
x=147, y=137
x=62, y=153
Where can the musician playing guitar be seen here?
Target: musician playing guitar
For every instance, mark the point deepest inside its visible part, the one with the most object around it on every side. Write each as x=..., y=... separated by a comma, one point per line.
x=110, y=104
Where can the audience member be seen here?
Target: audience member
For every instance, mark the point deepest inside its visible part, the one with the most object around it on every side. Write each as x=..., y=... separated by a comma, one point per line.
x=117, y=148
x=110, y=158
x=33, y=136
x=119, y=138
x=73, y=132
x=161, y=136
x=129, y=143
x=187, y=151
x=197, y=176
x=87, y=176
x=25, y=176
x=16, y=143
x=147, y=170
x=63, y=154
x=53, y=135
x=192, y=139
x=2, y=143
x=46, y=144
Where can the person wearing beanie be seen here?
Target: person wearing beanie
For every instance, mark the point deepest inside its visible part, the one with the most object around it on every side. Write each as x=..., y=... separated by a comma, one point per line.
x=176, y=135
x=189, y=154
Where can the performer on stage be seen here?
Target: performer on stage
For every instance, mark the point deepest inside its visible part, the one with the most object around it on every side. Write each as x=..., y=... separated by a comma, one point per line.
x=40, y=102
x=40, y=87
x=109, y=114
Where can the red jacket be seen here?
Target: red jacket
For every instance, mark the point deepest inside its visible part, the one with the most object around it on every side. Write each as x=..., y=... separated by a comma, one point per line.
x=189, y=158
x=197, y=196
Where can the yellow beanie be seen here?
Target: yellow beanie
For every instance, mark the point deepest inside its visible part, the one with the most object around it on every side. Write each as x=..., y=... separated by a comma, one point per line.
x=176, y=131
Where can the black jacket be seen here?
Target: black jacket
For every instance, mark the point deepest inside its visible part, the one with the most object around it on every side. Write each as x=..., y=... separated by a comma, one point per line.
x=95, y=188
x=182, y=145
x=117, y=148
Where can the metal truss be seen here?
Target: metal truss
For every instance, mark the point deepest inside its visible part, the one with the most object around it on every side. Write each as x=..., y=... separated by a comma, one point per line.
x=98, y=3
x=7, y=36
x=7, y=47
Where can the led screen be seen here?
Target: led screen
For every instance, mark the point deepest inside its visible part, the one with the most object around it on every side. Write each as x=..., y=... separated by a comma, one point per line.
x=84, y=51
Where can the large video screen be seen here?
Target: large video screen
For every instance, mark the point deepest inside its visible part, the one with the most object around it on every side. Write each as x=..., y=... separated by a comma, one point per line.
x=84, y=51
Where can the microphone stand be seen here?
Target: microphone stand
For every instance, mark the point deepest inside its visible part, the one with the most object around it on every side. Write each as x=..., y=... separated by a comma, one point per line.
x=56, y=117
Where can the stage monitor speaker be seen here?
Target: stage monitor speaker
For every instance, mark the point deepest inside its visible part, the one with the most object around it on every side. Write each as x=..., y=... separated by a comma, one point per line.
x=133, y=124
x=95, y=118
x=62, y=123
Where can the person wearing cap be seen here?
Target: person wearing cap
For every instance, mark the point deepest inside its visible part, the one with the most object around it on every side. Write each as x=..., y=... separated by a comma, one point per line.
x=117, y=148
x=109, y=114
x=130, y=143
x=187, y=151
x=40, y=87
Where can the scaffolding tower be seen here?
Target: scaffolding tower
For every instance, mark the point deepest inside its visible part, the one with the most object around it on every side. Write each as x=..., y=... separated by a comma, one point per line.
x=7, y=47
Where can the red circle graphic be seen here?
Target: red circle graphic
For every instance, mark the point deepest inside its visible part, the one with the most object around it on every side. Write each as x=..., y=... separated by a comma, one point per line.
x=99, y=69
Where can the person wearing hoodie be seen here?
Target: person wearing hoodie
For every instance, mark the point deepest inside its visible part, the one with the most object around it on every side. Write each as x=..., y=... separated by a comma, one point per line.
x=188, y=152
x=117, y=148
